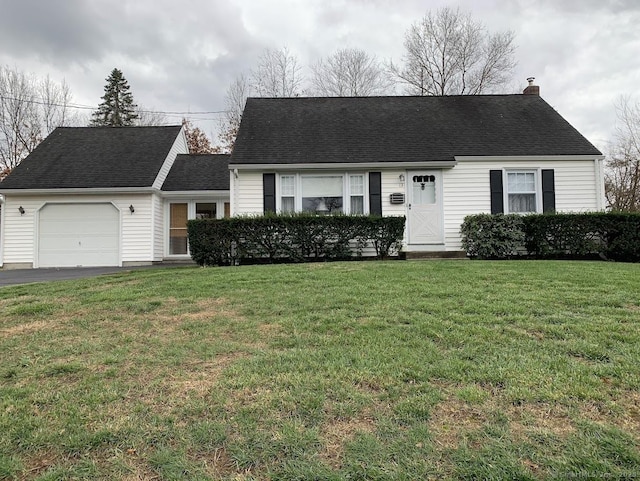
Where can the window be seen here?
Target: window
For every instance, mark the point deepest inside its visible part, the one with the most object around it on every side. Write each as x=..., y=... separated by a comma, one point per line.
x=323, y=193
x=424, y=189
x=205, y=210
x=521, y=192
x=287, y=193
x=356, y=191
x=178, y=215
x=178, y=229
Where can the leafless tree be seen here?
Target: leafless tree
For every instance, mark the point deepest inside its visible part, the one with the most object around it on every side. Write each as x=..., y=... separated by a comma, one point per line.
x=448, y=53
x=30, y=108
x=149, y=117
x=278, y=74
x=350, y=72
x=234, y=101
x=622, y=175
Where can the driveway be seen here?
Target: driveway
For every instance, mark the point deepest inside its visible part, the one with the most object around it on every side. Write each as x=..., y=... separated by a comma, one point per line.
x=27, y=276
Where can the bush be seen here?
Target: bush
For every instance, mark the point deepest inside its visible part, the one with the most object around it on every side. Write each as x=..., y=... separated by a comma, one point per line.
x=292, y=238
x=590, y=235
x=492, y=236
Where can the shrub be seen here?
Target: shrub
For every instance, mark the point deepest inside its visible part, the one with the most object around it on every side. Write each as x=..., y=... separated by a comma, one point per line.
x=292, y=238
x=492, y=236
x=590, y=235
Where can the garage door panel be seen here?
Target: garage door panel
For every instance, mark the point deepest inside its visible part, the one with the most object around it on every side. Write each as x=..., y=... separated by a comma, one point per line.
x=78, y=235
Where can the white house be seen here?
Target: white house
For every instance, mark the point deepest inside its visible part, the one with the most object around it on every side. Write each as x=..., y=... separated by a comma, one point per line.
x=102, y=196
x=434, y=160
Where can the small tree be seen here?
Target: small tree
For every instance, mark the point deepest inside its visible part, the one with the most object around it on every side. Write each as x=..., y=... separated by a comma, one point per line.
x=350, y=72
x=448, y=53
x=622, y=176
x=197, y=140
x=117, y=108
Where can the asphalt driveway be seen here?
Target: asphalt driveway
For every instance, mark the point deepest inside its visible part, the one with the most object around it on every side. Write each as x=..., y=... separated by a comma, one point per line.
x=27, y=276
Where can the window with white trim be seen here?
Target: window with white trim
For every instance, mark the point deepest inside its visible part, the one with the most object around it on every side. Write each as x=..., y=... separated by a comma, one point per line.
x=522, y=192
x=326, y=193
x=356, y=194
x=287, y=193
x=180, y=212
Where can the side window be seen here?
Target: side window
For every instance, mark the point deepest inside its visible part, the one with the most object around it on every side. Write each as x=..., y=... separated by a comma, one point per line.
x=356, y=194
x=521, y=192
x=287, y=193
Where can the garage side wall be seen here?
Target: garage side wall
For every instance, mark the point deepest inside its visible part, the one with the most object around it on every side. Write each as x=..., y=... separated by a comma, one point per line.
x=20, y=231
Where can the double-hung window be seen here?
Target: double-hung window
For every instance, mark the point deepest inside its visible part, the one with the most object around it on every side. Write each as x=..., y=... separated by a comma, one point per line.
x=522, y=192
x=330, y=193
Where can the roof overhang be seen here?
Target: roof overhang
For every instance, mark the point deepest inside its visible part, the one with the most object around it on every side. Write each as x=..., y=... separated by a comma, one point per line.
x=80, y=191
x=187, y=194
x=524, y=158
x=442, y=164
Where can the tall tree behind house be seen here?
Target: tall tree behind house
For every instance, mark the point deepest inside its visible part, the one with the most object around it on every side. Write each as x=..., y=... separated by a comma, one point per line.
x=117, y=108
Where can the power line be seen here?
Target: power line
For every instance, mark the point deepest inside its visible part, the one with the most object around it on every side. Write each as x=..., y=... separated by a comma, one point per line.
x=88, y=107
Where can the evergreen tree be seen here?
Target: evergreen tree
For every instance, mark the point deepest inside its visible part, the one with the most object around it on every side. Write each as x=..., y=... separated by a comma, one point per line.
x=117, y=108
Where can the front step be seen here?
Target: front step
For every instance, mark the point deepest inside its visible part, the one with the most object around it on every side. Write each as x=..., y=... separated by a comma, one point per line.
x=436, y=255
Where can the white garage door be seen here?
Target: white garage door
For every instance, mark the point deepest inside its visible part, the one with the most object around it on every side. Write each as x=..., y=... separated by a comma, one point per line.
x=73, y=235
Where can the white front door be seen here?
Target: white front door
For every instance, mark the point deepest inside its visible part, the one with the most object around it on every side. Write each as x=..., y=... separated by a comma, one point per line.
x=424, y=214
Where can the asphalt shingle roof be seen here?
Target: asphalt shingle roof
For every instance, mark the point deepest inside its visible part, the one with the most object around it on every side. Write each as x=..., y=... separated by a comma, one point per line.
x=95, y=157
x=198, y=172
x=402, y=129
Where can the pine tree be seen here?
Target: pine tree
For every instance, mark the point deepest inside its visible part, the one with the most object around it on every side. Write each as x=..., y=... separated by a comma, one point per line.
x=117, y=108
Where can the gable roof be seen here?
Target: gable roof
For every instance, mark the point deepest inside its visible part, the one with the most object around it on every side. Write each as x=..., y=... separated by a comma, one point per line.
x=402, y=129
x=95, y=157
x=198, y=172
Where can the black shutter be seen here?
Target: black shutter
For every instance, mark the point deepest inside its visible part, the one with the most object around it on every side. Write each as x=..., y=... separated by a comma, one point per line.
x=548, y=191
x=497, y=199
x=269, y=192
x=375, y=193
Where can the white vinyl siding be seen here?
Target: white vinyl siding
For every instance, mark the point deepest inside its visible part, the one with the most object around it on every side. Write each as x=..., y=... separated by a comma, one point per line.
x=158, y=228
x=20, y=231
x=466, y=190
x=247, y=193
x=179, y=147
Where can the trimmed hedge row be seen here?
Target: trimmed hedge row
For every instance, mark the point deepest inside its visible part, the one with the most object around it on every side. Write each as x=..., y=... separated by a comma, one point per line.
x=607, y=235
x=292, y=238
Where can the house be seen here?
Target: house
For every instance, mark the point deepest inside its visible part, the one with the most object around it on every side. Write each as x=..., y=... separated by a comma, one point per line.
x=434, y=160
x=104, y=196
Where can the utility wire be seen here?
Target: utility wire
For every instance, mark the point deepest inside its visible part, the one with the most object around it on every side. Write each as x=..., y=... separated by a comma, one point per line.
x=88, y=107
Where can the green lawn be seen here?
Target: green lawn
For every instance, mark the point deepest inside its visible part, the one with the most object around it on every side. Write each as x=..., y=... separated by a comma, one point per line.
x=359, y=370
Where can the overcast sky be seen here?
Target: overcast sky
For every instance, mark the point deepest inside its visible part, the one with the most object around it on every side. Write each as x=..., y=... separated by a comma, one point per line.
x=182, y=55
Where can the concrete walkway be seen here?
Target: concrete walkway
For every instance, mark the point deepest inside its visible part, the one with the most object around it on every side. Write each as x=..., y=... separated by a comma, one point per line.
x=11, y=277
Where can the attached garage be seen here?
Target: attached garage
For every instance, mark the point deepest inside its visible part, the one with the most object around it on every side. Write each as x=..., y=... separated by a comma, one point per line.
x=71, y=235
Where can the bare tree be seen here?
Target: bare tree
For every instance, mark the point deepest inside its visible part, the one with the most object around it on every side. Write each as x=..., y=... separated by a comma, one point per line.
x=234, y=101
x=30, y=108
x=448, y=53
x=622, y=176
x=149, y=117
x=278, y=74
x=350, y=72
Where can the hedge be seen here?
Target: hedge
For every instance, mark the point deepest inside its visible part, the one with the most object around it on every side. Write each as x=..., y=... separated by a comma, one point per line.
x=613, y=236
x=292, y=238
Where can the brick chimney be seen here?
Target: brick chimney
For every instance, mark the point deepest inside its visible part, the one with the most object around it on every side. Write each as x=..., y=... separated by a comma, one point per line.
x=531, y=89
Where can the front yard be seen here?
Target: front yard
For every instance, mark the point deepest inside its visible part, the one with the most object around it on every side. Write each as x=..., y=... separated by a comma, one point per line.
x=357, y=370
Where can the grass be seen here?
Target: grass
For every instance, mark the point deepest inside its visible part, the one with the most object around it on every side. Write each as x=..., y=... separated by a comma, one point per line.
x=361, y=370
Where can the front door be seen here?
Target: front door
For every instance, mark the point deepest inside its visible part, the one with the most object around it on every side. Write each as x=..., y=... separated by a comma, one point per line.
x=425, y=207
